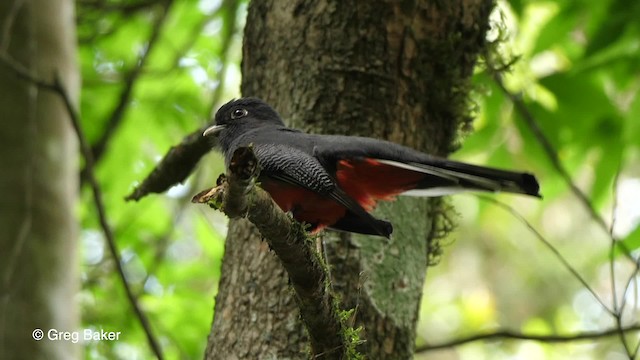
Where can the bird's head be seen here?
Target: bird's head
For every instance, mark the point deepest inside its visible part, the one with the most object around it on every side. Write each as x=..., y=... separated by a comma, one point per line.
x=241, y=115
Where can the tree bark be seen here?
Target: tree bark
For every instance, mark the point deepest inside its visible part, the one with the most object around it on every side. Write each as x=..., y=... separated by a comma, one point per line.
x=393, y=70
x=38, y=186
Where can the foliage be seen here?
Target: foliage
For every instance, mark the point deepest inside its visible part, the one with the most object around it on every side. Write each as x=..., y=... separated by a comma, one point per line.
x=351, y=335
x=170, y=249
x=577, y=74
x=578, y=71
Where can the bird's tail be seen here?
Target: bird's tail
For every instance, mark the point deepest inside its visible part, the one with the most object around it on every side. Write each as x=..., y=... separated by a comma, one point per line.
x=448, y=177
x=366, y=180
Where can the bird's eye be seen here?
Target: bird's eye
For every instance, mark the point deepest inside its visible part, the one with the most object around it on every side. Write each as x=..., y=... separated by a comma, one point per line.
x=238, y=113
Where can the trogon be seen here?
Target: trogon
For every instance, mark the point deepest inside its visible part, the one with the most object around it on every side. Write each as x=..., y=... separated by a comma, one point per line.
x=335, y=181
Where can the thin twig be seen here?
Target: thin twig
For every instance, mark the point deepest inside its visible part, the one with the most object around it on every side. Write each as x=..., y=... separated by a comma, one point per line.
x=634, y=274
x=117, y=115
x=228, y=30
x=552, y=154
x=612, y=268
x=57, y=87
x=549, y=150
x=102, y=216
x=617, y=308
x=508, y=334
x=178, y=163
x=24, y=73
x=555, y=251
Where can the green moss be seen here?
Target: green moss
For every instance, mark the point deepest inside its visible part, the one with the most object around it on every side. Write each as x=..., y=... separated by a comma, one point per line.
x=350, y=335
x=215, y=203
x=442, y=214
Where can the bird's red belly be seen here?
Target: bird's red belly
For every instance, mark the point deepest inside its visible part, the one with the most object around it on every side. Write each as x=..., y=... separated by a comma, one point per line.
x=365, y=180
x=305, y=205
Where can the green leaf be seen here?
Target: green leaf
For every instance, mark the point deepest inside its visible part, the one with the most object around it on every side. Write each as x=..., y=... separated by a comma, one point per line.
x=631, y=242
x=620, y=15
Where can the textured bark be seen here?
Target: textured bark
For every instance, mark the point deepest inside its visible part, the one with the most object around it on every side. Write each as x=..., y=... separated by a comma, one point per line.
x=38, y=186
x=386, y=69
x=238, y=196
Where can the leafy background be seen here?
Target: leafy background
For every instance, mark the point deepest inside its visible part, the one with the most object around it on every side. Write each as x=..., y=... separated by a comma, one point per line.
x=153, y=71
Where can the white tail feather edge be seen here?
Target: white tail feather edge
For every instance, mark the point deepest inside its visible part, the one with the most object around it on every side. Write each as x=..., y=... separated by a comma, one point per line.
x=443, y=173
x=437, y=191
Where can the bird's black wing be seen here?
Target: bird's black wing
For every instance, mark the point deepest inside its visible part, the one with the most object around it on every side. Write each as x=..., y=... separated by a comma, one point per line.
x=299, y=168
x=293, y=166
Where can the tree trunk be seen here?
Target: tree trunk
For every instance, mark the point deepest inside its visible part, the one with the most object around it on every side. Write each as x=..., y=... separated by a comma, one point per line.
x=38, y=186
x=386, y=69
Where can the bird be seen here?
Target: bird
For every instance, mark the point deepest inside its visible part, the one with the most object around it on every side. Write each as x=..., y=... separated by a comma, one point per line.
x=335, y=181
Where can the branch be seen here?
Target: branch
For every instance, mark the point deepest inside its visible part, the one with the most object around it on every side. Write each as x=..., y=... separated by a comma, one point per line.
x=619, y=309
x=227, y=32
x=178, y=163
x=555, y=251
x=552, y=154
x=175, y=165
x=57, y=88
x=237, y=196
x=508, y=334
x=102, y=215
x=117, y=115
x=549, y=150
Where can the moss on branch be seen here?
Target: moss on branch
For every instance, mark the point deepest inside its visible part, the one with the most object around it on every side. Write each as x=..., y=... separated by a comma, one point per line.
x=237, y=196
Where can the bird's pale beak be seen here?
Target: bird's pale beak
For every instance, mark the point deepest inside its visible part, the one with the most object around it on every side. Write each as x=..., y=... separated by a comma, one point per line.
x=213, y=130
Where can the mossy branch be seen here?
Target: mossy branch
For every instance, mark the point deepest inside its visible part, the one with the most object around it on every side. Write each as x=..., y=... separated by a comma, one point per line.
x=176, y=165
x=237, y=196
